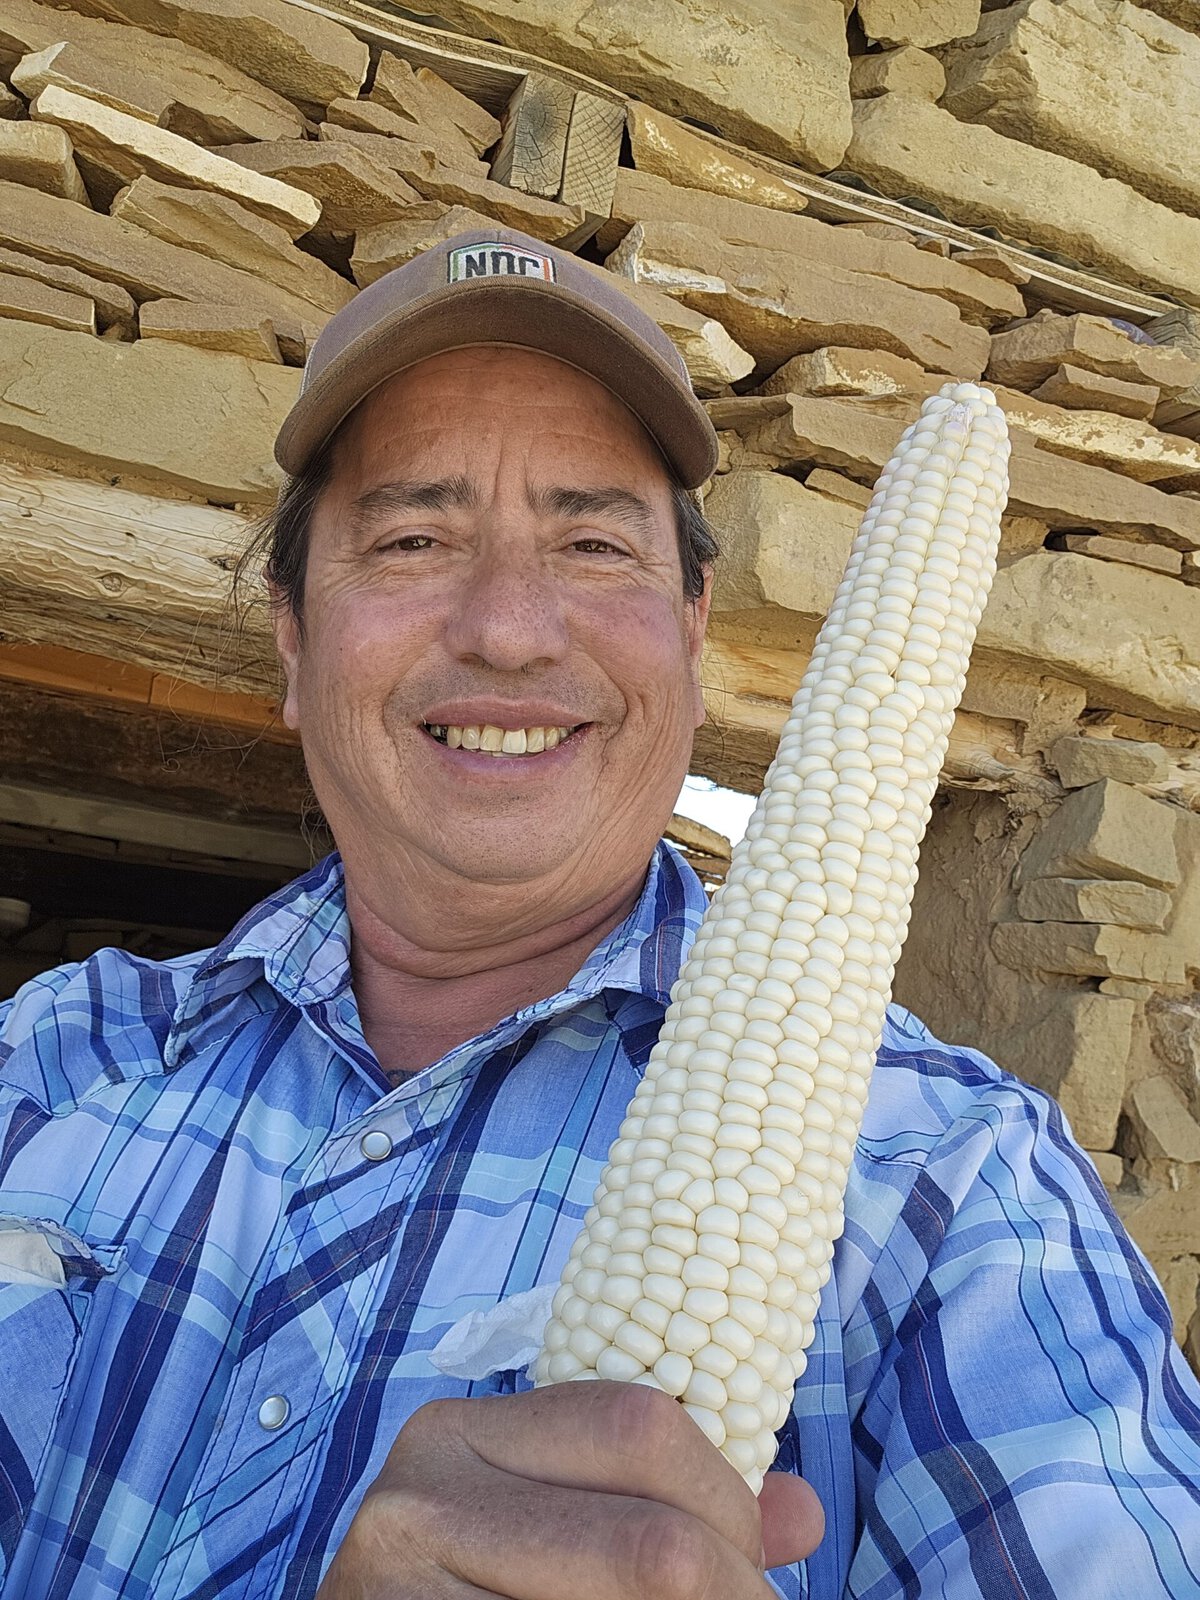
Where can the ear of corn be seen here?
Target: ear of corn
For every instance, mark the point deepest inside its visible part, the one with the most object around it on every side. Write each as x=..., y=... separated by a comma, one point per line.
x=701, y=1261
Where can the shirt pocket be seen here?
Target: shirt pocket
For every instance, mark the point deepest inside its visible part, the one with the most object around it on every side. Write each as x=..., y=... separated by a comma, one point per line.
x=48, y=1282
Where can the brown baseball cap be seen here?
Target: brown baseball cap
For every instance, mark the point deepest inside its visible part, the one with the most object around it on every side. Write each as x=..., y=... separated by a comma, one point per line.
x=500, y=287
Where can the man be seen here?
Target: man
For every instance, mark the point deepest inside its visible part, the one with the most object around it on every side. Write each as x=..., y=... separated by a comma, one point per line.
x=247, y=1191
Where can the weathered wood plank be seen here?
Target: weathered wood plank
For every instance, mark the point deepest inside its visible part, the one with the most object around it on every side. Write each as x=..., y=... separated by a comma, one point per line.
x=133, y=577
x=592, y=154
x=168, y=762
x=533, y=145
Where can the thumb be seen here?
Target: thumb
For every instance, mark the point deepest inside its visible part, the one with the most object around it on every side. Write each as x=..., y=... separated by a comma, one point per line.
x=793, y=1522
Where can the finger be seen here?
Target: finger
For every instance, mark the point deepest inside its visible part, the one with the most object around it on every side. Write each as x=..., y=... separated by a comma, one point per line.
x=530, y=1541
x=793, y=1519
x=620, y=1438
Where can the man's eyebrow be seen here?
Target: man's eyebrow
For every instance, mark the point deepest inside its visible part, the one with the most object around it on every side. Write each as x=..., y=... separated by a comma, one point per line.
x=406, y=494
x=620, y=504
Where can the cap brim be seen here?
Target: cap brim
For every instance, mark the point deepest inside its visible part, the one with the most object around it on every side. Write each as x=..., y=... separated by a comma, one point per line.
x=527, y=312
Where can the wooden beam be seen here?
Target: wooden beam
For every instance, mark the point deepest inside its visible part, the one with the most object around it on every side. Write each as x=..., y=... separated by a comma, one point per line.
x=57, y=810
x=132, y=577
x=533, y=145
x=172, y=763
x=485, y=71
x=591, y=158
x=97, y=677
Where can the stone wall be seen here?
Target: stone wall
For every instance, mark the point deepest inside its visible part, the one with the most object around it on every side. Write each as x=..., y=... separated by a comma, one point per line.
x=827, y=217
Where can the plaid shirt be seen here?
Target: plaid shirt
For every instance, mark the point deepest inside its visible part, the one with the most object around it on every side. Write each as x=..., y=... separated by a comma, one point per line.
x=250, y=1287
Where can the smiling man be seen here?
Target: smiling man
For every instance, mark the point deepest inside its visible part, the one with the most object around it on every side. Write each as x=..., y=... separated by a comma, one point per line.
x=244, y=1193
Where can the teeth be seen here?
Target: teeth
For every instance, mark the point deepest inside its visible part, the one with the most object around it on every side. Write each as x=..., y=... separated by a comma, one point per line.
x=499, y=741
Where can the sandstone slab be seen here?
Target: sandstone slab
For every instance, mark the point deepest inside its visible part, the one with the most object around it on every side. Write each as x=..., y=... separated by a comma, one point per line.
x=865, y=374
x=1031, y=353
x=1127, y=988
x=59, y=231
x=210, y=327
x=781, y=543
x=457, y=186
x=219, y=228
x=1107, y=830
x=300, y=54
x=1125, y=445
x=640, y=197
x=353, y=188
x=1151, y=557
x=1077, y=1052
x=42, y=157
x=1040, y=611
x=1162, y=1122
x=368, y=116
x=151, y=408
x=1092, y=80
x=121, y=148
x=1109, y=1167
x=74, y=67
x=778, y=304
x=1085, y=950
x=995, y=263
x=981, y=178
x=479, y=127
x=1126, y=905
x=905, y=70
x=775, y=79
x=32, y=301
x=1161, y=1213
x=794, y=430
x=666, y=148
x=11, y=105
x=1071, y=495
x=1061, y=493
x=114, y=307
x=918, y=22
x=1044, y=706
x=212, y=102
x=1075, y=386
x=420, y=110
x=1080, y=760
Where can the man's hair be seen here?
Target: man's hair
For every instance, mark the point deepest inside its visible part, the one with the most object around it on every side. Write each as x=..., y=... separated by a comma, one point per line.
x=279, y=540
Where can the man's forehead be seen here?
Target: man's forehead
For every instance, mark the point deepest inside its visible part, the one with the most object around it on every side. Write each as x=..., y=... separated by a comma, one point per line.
x=482, y=395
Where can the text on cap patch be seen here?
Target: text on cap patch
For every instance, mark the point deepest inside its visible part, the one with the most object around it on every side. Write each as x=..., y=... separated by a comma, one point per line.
x=493, y=259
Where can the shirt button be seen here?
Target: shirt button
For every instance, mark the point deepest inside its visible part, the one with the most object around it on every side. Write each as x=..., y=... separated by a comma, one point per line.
x=273, y=1412
x=375, y=1146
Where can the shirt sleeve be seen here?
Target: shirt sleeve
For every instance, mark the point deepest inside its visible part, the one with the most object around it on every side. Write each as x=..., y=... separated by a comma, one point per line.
x=1032, y=1430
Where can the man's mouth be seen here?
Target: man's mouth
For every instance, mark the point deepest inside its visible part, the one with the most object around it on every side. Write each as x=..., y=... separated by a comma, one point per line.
x=493, y=741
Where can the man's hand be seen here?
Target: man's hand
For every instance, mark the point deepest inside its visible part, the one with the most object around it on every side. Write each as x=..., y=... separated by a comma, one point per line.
x=596, y=1491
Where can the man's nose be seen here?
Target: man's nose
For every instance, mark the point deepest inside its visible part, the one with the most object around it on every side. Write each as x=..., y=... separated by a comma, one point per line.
x=510, y=614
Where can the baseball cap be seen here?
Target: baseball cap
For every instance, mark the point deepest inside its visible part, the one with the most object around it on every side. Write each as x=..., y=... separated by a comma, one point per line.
x=500, y=287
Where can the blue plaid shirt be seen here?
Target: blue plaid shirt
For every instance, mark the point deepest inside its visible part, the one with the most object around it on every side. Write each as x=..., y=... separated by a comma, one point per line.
x=993, y=1404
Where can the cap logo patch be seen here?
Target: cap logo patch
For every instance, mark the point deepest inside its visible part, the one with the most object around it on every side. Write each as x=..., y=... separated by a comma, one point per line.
x=493, y=259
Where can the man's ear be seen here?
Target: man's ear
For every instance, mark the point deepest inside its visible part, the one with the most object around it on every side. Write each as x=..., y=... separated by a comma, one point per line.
x=697, y=623
x=287, y=642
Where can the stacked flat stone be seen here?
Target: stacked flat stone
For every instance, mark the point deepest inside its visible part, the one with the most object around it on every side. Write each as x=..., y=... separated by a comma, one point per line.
x=700, y=1263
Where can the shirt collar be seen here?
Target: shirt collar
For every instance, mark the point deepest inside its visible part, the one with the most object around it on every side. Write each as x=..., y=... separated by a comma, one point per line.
x=298, y=939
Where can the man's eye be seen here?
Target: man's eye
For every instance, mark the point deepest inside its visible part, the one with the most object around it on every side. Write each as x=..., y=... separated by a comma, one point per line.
x=411, y=541
x=596, y=547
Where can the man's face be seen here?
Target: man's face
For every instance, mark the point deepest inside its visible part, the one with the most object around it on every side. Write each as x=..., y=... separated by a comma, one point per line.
x=496, y=551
